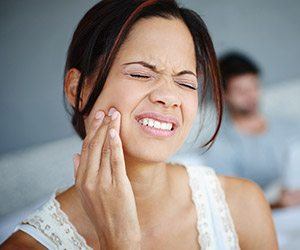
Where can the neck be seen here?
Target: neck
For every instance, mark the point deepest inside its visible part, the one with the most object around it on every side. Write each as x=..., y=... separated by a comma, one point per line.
x=150, y=185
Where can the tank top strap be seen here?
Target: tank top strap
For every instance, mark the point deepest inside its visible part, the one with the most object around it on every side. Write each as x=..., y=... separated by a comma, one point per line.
x=215, y=225
x=53, y=223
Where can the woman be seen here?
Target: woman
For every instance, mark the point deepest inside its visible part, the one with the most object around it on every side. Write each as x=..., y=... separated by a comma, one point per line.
x=133, y=74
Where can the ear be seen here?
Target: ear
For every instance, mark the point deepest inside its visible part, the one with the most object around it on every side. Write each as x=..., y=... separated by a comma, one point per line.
x=70, y=87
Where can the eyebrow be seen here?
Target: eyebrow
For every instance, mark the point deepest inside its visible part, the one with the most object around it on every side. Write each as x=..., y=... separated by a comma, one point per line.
x=153, y=68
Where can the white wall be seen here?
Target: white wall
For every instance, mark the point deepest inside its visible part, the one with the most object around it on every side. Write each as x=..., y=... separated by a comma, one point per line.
x=283, y=99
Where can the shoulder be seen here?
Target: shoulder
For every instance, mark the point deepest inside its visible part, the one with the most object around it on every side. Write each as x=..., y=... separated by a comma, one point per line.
x=70, y=205
x=250, y=212
x=21, y=240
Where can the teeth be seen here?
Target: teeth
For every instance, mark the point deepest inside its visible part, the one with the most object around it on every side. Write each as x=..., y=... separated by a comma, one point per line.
x=156, y=124
x=151, y=123
x=169, y=126
x=164, y=126
x=145, y=121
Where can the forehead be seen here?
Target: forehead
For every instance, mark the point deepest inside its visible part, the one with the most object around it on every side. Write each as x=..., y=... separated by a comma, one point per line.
x=244, y=81
x=163, y=42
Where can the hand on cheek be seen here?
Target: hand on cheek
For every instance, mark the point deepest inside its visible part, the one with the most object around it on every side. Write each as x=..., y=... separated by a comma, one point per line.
x=104, y=188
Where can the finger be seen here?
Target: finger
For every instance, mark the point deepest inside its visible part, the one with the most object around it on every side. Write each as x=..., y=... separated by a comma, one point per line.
x=115, y=119
x=96, y=123
x=117, y=161
x=105, y=171
x=76, y=163
x=95, y=150
x=117, y=156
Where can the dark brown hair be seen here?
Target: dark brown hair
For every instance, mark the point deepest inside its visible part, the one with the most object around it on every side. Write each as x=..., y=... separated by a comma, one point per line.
x=235, y=63
x=104, y=28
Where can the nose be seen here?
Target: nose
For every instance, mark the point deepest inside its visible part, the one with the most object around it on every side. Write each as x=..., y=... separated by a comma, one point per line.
x=165, y=95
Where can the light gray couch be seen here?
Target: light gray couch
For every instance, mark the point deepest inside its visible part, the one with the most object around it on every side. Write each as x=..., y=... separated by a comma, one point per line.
x=30, y=174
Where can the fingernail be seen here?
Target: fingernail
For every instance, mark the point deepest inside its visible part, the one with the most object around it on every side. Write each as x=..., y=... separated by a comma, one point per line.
x=99, y=115
x=114, y=115
x=112, y=133
x=75, y=159
x=111, y=111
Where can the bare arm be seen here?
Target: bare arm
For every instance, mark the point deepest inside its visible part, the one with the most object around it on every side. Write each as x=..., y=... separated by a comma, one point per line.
x=251, y=214
x=21, y=240
x=288, y=198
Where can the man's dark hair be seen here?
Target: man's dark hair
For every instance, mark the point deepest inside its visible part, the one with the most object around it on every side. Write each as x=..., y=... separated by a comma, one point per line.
x=236, y=64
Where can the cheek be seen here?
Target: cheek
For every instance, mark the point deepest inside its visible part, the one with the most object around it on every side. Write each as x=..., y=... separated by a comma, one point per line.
x=112, y=95
x=116, y=95
x=108, y=98
x=190, y=109
x=235, y=98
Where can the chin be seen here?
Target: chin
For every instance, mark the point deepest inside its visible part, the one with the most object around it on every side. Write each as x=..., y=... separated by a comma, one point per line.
x=146, y=147
x=145, y=158
x=157, y=154
x=149, y=151
x=247, y=111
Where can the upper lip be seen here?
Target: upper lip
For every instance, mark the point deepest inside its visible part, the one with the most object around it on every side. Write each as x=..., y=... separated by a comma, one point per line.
x=159, y=117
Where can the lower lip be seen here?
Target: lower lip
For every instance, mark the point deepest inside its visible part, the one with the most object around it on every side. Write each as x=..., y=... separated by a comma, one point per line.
x=157, y=132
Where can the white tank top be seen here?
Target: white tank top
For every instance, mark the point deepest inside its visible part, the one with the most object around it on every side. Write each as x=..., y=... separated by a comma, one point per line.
x=51, y=227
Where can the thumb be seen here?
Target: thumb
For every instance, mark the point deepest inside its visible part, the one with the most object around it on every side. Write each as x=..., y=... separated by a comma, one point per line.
x=76, y=161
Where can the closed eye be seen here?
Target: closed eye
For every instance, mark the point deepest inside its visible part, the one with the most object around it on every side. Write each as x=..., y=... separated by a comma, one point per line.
x=187, y=86
x=139, y=76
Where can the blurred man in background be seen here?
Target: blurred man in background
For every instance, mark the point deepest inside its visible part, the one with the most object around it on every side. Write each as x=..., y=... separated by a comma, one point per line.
x=250, y=145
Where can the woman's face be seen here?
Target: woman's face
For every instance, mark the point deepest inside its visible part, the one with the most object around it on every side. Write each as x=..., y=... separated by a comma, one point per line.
x=153, y=82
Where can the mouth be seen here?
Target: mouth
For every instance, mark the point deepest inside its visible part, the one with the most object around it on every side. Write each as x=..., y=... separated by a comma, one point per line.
x=157, y=125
